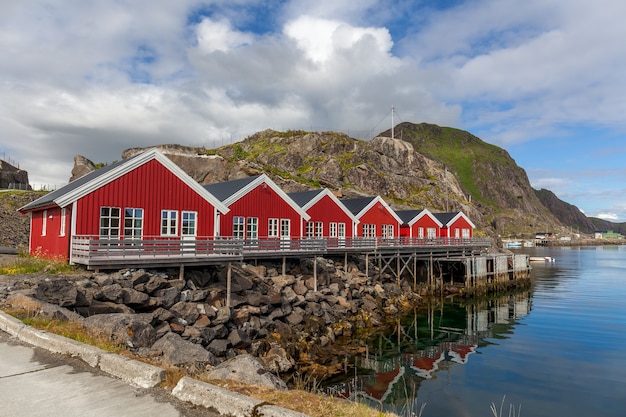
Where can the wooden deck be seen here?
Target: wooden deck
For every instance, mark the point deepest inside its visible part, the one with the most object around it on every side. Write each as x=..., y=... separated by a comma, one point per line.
x=98, y=253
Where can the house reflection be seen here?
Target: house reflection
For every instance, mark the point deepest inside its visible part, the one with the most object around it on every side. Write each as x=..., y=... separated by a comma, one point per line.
x=433, y=340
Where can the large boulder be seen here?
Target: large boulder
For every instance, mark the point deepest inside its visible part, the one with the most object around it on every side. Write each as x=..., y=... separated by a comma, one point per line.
x=179, y=352
x=133, y=330
x=246, y=369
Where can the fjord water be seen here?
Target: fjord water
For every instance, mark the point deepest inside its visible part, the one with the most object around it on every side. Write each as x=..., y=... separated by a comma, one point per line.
x=556, y=349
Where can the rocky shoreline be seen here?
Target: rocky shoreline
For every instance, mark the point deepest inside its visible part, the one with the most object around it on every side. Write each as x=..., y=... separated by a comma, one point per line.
x=276, y=318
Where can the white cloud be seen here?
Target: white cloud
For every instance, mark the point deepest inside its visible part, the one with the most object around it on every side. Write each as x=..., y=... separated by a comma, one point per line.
x=608, y=216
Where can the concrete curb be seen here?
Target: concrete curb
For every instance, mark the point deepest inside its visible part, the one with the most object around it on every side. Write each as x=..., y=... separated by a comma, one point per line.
x=227, y=402
x=144, y=375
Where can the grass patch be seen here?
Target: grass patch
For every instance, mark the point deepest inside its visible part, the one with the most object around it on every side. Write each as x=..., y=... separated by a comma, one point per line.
x=28, y=264
x=311, y=403
x=70, y=329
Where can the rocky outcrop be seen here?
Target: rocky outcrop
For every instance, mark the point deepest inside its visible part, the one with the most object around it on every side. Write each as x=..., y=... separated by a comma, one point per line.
x=14, y=227
x=13, y=177
x=82, y=166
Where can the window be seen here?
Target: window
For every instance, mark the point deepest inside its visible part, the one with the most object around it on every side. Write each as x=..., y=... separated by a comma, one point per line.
x=465, y=233
x=285, y=229
x=252, y=228
x=457, y=232
x=369, y=230
x=44, y=223
x=188, y=223
x=431, y=233
x=310, y=229
x=133, y=223
x=332, y=229
x=62, y=228
x=169, y=223
x=388, y=231
x=341, y=230
x=420, y=232
x=110, y=222
x=272, y=228
x=319, y=229
x=239, y=231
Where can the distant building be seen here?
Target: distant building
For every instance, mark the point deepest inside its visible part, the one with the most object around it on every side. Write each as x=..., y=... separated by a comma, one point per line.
x=607, y=235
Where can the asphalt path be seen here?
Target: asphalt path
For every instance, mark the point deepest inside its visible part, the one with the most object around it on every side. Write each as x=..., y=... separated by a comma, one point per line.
x=35, y=382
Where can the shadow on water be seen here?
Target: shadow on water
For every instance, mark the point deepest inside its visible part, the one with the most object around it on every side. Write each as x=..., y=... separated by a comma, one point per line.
x=437, y=336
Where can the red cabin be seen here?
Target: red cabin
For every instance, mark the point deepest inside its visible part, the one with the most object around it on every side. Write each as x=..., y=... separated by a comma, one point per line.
x=330, y=219
x=143, y=197
x=455, y=225
x=419, y=224
x=376, y=218
x=259, y=209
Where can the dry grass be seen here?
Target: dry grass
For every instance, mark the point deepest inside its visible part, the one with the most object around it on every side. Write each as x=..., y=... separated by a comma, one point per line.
x=27, y=264
x=315, y=405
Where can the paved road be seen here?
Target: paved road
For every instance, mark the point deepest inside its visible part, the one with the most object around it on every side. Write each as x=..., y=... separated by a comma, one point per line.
x=34, y=382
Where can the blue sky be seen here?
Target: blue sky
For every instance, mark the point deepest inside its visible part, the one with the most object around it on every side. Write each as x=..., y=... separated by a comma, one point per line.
x=543, y=79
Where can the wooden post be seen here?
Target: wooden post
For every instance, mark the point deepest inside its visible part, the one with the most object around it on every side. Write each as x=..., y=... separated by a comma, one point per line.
x=415, y=272
x=284, y=265
x=228, y=284
x=345, y=262
x=315, y=274
x=367, y=264
x=181, y=272
x=398, y=260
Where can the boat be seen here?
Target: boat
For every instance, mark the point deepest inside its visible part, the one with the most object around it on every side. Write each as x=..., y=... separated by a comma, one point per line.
x=542, y=259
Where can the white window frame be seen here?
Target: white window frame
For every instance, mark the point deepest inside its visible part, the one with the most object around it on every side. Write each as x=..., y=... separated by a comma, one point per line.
x=465, y=233
x=420, y=232
x=319, y=230
x=285, y=229
x=310, y=229
x=112, y=230
x=44, y=223
x=169, y=223
x=252, y=228
x=239, y=227
x=431, y=233
x=135, y=216
x=341, y=230
x=272, y=227
x=189, y=223
x=332, y=229
x=63, y=223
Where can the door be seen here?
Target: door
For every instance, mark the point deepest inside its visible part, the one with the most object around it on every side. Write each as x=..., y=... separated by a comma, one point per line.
x=188, y=231
x=285, y=234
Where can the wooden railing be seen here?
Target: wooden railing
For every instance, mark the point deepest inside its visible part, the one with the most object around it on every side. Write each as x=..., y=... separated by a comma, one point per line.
x=94, y=249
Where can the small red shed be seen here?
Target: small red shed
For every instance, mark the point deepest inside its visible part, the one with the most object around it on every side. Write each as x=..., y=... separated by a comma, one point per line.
x=259, y=209
x=455, y=225
x=146, y=196
x=329, y=217
x=419, y=224
x=375, y=216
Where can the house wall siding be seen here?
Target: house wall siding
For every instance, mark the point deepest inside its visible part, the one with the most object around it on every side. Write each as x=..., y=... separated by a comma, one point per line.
x=327, y=211
x=151, y=187
x=378, y=215
x=52, y=244
x=264, y=203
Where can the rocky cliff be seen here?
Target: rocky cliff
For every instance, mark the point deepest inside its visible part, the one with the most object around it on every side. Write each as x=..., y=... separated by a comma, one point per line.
x=13, y=177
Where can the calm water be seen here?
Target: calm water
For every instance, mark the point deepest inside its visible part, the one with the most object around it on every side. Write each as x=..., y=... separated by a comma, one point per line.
x=558, y=349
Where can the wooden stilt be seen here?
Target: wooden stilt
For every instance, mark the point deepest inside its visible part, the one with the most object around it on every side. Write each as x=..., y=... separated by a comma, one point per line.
x=181, y=272
x=315, y=274
x=228, y=284
x=284, y=265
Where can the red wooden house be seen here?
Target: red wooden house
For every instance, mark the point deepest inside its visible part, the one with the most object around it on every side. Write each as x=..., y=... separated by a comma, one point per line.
x=455, y=225
x=330, y=219
x=419, y=224
x=146, y=196
x=259, y=210
x=376, y=218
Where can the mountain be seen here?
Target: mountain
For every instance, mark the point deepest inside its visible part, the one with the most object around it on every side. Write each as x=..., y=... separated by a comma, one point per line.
x=423, y=166
x=567, y=214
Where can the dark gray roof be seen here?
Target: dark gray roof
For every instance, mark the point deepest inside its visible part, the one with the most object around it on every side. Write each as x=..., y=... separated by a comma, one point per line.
x=355, y=205
x=445, y=218
x=223, y=190
x=48, y=199
x=408, y=215
x=302, y=198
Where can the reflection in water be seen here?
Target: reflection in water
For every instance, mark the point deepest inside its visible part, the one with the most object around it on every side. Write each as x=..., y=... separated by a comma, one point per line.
x=424, y=345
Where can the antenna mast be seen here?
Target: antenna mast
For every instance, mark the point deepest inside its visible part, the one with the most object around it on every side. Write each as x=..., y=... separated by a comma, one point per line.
x=392, y=110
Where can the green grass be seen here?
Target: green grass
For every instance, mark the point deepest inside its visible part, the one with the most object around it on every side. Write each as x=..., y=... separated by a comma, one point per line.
x=27, y=264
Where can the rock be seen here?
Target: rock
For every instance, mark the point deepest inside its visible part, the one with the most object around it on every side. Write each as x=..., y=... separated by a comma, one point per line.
x=103, y=307
x=57, y=291
x=133, y=297
x=277, y=361
x=82, y=166
x=223, y=316
x=133, y=330
x=281, y=281
x=111, y=293
x=155, y=283
x=219, y=347
x=186, y=311
x=21, y=300
x=239, y=339
x=179, y=352
x=246, y=369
